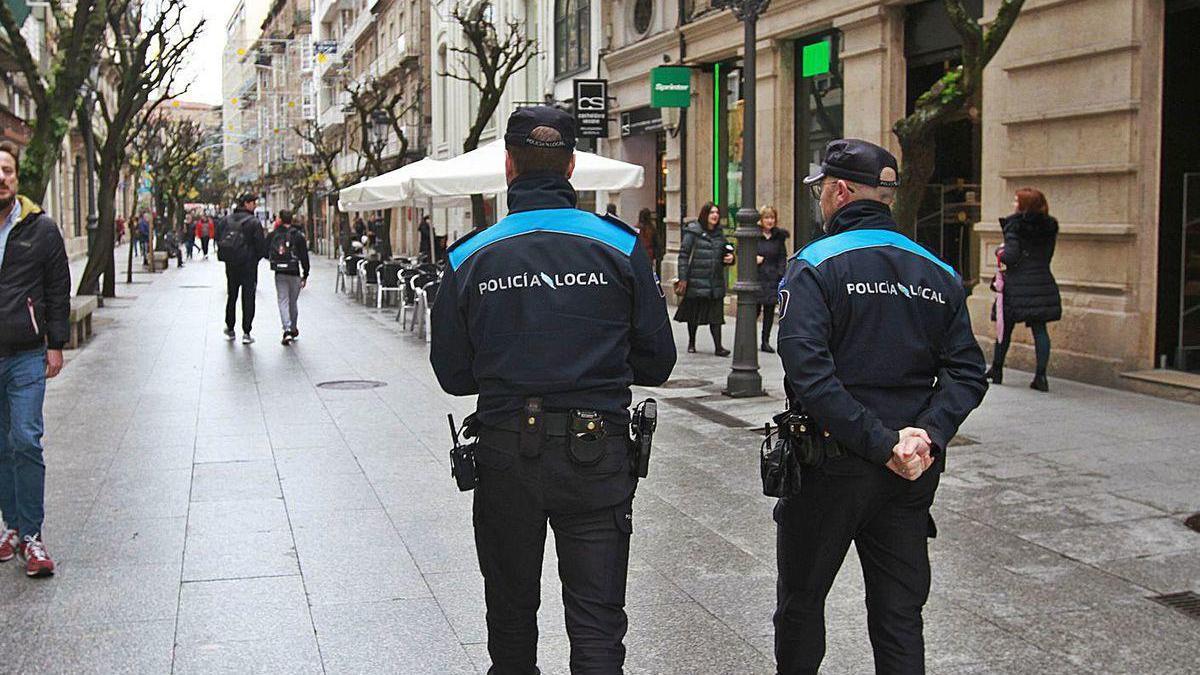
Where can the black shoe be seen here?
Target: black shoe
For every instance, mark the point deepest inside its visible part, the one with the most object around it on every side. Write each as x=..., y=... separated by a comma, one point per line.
x=996, y=376
x=721, y=351
x=766, y=347
x=287, y=338
x=229, y=334
x=691, y=349
x=1040, y=383
x=295, y=333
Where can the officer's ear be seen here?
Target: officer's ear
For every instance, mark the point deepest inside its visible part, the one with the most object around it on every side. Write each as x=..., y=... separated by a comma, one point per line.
x=510, y=168
x=571, y=166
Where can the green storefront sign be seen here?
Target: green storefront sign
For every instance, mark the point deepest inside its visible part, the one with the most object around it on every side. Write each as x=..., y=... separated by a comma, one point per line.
x=670, y=87
x=816, y=58
x=19, y=10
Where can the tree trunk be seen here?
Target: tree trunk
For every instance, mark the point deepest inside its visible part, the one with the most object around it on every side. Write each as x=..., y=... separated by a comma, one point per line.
x=918, y=155
x=100, y=256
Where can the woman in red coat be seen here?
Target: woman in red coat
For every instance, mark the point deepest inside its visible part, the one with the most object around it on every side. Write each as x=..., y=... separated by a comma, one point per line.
x=205, y=231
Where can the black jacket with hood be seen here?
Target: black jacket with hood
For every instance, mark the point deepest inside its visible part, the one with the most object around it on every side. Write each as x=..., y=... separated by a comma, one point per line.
x=1030, y=291
x=35, y=284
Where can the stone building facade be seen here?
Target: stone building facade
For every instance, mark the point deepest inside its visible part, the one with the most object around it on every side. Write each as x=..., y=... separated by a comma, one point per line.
x=1087, y=101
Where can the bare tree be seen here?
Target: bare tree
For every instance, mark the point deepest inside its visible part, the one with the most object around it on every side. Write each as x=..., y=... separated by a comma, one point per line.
x=487, y=63
x=325, y=147
x=956, y=96
x=369, y=100
x=78, y=30
x=142, y=60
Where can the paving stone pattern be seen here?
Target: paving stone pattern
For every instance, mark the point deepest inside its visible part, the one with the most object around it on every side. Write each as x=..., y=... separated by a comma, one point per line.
x=213, y=511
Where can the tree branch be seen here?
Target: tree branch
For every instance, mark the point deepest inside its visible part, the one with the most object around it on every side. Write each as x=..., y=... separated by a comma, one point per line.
x=996, y=33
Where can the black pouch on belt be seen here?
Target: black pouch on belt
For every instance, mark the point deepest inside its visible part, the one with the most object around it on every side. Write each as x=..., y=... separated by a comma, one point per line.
x=533, y=428
x=586, y=445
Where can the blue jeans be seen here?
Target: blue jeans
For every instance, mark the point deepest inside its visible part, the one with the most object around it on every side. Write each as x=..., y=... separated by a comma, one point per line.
x=22, y=472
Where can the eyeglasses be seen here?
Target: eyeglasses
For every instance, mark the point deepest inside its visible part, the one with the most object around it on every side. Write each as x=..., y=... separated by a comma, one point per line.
x=817, y=188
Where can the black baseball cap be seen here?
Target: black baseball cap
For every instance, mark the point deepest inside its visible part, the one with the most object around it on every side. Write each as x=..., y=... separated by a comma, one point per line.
x=524, y=120
x=247, y=197
x=859, y=161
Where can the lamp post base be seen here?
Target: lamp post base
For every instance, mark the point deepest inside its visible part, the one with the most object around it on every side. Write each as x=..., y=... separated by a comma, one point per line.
x=744, y=379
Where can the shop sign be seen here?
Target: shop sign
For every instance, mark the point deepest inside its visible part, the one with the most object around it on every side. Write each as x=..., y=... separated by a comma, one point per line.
x=641, y=121
x=591, y=108
x=816, y=58
x=670, y=87
x=325, y=47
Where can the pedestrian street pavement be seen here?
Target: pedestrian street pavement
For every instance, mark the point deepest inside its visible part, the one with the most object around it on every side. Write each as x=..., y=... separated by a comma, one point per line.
x=212, y=510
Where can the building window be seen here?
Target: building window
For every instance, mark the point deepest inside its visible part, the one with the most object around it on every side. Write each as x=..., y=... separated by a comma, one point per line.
x=572, y=36
x=643, y=13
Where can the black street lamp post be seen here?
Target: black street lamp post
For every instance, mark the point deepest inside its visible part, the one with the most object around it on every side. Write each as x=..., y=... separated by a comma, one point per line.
x=744, y=379
x=89, y=138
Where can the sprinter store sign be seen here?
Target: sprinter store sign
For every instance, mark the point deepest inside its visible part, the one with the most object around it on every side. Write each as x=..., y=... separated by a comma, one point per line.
x=670, y=87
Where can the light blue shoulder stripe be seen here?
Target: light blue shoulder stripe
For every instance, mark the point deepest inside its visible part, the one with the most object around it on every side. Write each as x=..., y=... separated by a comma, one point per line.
x=560, y=221
x=823, y=249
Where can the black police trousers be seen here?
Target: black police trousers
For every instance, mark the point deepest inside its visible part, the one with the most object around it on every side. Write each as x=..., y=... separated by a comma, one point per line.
x=589, y=508
x=240, y=277
x=887, y=518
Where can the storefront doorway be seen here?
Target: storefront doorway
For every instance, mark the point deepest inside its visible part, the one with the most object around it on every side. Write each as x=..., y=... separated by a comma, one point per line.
x=819, y=116
x=951, y=204
x=1178, y=329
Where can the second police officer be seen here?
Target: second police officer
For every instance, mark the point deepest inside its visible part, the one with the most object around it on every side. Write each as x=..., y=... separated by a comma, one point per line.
x=878, y=350
x=549, y=316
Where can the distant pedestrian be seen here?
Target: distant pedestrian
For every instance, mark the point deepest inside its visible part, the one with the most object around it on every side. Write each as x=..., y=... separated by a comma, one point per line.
x=35, y=297
x=1031, y=294
x=135, y=234
x=241, y=245
x=772, y=262
x=189, y=237
x=648, y=236
x=173, y=245
x=289, y=260
x=206, y=230
x=425, y=239
x=703, y=257
x=120, y=225
x=144, y=235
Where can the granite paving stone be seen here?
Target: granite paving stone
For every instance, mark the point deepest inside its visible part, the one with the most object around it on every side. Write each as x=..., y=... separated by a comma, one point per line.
x=225, y=515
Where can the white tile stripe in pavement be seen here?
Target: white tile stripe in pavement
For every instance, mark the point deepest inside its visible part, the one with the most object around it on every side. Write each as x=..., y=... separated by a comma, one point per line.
x=212, y=511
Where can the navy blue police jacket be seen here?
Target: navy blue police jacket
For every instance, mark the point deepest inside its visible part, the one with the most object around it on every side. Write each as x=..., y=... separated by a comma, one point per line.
x=875, y=336
x=551, y=302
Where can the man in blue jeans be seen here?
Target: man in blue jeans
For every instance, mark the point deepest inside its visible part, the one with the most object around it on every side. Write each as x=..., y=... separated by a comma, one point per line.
x=35, y=300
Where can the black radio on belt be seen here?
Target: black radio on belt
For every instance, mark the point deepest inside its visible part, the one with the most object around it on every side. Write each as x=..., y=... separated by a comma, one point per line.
x=462, y=457
x=795, y=443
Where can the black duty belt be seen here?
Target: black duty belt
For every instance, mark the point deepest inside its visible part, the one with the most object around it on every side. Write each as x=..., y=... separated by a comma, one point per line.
x=555, y=424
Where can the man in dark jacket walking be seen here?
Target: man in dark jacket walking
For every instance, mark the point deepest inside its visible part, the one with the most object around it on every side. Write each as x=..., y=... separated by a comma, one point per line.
x=241, y=246
x=878, y=350
x=35, y=300
x=289, y=260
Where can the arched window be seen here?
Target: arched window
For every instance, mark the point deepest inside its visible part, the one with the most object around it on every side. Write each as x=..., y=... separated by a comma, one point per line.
x=572, y=36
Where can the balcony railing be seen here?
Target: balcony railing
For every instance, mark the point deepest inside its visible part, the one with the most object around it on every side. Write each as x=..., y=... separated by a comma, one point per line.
x=361, y=22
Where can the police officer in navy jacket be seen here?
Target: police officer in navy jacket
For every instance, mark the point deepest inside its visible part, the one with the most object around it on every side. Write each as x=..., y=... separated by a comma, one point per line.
x=878, y=349
x=549, y=316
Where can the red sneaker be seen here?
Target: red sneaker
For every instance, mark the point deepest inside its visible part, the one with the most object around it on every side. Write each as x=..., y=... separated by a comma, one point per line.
x=37, y=561
x=9, y=542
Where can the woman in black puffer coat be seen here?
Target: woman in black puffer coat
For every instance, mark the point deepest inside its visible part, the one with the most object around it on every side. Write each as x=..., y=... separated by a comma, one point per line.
x=703, y=256
x=1031, y=294
x=772, y=263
